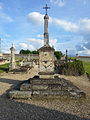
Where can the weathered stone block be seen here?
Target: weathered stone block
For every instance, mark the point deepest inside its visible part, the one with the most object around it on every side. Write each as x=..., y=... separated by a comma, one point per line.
x=46, y=76
x=20, y=94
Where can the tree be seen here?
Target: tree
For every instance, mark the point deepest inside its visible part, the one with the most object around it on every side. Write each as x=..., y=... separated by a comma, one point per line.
x=24, y=51
x=35, y=52
x=28, y=52
x=58, y=54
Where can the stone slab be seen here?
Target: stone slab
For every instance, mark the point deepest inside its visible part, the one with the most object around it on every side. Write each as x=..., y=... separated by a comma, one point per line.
x=59, y=93
x=20, y=94
x=46, y=76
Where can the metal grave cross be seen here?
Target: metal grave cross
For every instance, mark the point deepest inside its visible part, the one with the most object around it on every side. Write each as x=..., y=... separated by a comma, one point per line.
x=46, y=7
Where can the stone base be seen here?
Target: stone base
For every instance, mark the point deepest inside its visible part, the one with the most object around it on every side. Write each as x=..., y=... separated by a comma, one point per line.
x=46, y=76
x=40, y=87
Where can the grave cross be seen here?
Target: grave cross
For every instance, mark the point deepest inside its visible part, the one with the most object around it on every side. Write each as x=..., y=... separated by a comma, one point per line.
x=46, y=7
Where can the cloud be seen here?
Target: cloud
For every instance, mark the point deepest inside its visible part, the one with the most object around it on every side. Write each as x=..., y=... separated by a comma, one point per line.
x=35, y=18
x=25, y=46
x=84, y=52
x=87, y=45
x=80, y=28
x=53, y=42
x=37, y=43
x=7, y=35
x=60, y=3
x=68, y=26
x=4, y=18
x=84, y=30
x=39, y=36
x=84, y=25
x=79, y=47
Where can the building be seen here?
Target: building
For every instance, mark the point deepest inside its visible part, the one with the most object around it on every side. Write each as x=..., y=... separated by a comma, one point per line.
x=84, y=58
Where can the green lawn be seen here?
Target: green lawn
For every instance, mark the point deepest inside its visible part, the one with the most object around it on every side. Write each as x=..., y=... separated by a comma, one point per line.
x=4, y=67
x=87, y=67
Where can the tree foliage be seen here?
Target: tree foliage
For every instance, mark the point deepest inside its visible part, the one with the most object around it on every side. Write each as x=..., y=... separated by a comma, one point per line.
x=58, y=54
x=28, y=52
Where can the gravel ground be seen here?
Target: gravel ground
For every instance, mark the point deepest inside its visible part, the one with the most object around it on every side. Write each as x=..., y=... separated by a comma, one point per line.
x=43, y=109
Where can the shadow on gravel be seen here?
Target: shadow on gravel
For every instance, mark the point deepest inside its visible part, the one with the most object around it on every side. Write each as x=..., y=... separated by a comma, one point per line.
x=11, y=110
x=14, y=84
x=9, y=81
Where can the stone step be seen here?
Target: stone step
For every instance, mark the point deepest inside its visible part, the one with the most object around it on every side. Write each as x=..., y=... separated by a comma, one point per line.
x=59, y=93
x=45, y=87
x=50, y=81
x=20, y=94
x=30, y=94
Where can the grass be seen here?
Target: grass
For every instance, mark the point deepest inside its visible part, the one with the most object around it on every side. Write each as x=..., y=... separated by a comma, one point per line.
x=87, y=67
x=4, y=67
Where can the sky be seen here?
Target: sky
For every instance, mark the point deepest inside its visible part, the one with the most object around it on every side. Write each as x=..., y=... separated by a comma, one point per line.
x=22, y=24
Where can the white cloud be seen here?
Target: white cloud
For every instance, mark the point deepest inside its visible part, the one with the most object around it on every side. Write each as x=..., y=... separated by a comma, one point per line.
x=5, y=18
x=35, y=18
x=37, y=43
x=7, y=35
x=25, y=46
x=60, y=3
x=35, y=40
x=53, y=42
x=84, y=25
x=84, y=52
x=68, y=26
x=39, y=36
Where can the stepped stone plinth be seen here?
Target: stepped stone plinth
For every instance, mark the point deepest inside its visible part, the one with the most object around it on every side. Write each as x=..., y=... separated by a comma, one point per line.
x=55, y=87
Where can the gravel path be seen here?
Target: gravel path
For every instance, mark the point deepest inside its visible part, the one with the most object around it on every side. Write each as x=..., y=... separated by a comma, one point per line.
x=43, y=109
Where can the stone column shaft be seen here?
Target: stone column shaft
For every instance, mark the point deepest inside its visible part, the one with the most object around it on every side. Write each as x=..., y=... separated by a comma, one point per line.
x=46, y=35
x=12, y=62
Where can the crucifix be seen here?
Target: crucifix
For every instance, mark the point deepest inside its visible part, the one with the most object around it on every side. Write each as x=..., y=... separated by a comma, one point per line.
x=46, y=7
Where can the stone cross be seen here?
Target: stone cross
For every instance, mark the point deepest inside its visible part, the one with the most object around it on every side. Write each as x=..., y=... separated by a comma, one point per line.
x=46, y=8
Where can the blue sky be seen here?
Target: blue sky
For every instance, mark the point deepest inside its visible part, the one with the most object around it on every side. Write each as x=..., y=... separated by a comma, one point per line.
x=21, y=23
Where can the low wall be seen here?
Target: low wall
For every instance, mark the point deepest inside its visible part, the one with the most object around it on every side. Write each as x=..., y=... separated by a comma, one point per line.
x=86, y=59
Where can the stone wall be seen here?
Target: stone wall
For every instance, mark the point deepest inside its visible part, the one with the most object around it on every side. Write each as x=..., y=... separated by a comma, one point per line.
x=84, y=58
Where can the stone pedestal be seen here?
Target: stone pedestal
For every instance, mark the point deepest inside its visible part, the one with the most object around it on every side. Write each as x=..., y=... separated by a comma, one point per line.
x=12, y=61
x=46, y=62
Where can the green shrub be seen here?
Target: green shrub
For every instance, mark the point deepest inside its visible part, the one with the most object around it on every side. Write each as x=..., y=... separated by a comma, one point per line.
x=73, y=68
